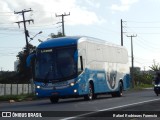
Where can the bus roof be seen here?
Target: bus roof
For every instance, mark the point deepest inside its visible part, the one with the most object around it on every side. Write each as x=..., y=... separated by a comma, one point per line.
x=73, y=40
x=61, y=41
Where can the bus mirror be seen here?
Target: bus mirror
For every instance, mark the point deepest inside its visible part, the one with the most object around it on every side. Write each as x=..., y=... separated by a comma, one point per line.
x=81, y=60
x=29, y=59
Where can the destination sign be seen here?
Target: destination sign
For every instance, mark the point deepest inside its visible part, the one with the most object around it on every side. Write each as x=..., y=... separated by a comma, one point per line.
x=47, y=50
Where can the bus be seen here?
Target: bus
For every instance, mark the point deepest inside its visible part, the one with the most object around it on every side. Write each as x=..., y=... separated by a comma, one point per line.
x=79, y=67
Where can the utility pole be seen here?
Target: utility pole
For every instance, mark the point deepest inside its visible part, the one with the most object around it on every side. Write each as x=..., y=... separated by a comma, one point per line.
x=132, y=68
x=24, y=23
x=26, y=34
x=121, y=32
x=62, y=15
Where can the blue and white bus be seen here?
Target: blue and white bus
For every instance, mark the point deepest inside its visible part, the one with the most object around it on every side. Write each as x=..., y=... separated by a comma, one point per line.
x=79, y=66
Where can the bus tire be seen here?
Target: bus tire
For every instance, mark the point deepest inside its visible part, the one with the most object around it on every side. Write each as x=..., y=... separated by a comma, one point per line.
x=90, y=94
x=156, y=93
x=54, y=99
x=119, y=93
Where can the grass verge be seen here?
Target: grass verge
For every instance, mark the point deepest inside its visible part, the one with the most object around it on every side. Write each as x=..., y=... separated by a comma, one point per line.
x=18, y=98
x=142, y=87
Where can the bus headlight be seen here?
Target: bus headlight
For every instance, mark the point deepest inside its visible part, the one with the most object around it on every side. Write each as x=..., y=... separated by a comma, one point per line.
x=157, y=85
x=72, y=84
x=75, y=90
x=38, y=87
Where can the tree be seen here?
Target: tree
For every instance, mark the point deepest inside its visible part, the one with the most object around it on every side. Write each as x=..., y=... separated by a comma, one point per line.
x=23, y=71
x=143, y=78
x=155, y=66
x=59, y=34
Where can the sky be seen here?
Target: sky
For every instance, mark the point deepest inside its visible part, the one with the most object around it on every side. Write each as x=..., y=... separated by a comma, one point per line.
x=95, y=18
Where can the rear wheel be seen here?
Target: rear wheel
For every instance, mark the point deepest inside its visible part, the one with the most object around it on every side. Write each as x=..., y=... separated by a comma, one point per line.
x=90, y=94
x=119, y=93
x=54, y=99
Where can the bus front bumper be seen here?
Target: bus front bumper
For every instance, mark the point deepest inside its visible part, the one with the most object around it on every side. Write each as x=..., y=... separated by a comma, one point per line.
x=61, y=92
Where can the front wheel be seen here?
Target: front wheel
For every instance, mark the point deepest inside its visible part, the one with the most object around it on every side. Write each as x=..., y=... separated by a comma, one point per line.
x=90, y=94
x=156, y=93
x=54, y=99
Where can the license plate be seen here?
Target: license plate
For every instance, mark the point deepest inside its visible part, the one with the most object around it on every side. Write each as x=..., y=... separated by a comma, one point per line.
x=55, y=93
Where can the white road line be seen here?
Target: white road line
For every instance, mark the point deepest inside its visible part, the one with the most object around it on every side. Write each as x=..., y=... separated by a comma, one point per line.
x=112, y=108
x=129, y=105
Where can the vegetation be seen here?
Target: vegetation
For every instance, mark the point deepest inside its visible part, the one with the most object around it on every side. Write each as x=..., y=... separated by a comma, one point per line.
x=18, y=97
x=155, y=66
x=142, y=78
x=145, y=78
x=9, y=77
x=23, y=72
x=59, y=34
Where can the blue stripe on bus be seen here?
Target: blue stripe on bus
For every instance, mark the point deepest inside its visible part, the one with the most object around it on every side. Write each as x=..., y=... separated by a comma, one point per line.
x=56, y=42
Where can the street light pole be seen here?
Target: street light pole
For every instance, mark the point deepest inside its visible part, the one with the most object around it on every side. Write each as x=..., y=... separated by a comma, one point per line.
x=35, y=35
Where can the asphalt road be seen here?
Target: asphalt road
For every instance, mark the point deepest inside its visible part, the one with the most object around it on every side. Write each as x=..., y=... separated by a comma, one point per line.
x=104, y=106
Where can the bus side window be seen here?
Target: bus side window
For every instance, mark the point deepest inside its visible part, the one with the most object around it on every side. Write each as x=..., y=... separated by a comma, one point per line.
x=80, y=64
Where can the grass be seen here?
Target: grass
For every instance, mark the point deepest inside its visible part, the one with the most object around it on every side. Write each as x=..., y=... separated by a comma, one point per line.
x=142, y=86
x=18, y=98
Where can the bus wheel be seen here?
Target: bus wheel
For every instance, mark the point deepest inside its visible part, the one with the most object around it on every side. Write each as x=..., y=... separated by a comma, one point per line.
x=156, y=93
x=119, y=93
x=54, y=99
x=90, y=94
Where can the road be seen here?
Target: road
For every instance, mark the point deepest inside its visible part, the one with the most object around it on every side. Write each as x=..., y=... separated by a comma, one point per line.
x=144, y=100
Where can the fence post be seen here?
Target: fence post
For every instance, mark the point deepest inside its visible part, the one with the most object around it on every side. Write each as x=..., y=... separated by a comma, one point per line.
x=22, y=88
x=28, y=88
x=17, y=88
x=11, y=90
x=32, y=85
x=4, y=89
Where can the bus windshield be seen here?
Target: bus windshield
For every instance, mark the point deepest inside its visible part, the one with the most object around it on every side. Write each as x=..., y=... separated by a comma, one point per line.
x=53, y=65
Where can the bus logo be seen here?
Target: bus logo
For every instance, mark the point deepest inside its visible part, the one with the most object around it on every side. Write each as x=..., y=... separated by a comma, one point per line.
x=112, y=78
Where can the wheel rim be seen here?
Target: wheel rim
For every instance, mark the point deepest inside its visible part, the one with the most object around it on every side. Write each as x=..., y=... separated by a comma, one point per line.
x=121, y=89
x=90, y=95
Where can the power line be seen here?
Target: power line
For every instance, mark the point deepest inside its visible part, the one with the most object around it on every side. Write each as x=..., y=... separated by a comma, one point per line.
x=143, y=43
x=145, y=27
x=144, y=21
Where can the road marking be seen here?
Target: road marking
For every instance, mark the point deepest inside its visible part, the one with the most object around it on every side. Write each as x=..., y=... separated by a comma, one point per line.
x=127, y=105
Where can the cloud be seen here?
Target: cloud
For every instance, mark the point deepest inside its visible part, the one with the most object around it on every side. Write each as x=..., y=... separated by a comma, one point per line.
x=44, y=11
x=124, y=5
x=93, y=3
